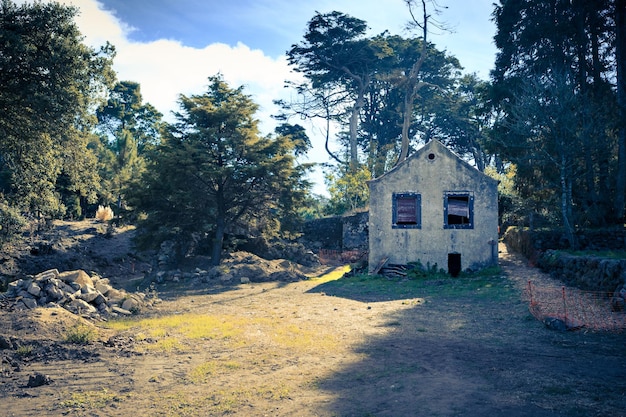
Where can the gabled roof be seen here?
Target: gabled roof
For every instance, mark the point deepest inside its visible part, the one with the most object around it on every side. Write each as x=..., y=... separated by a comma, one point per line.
x=433, y=146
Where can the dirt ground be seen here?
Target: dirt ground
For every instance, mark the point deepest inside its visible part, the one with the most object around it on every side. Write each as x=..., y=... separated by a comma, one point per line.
x=313, y=348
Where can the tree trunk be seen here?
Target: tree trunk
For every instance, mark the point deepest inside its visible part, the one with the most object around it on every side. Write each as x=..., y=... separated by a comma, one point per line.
x=407, y=117
x=565, y=204
x=218, y=242
x=354, y=125
x=620, y=57
x=412, y=86
x=220, y=228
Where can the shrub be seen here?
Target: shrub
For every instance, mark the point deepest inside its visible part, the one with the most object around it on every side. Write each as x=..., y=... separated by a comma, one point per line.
x=104, y=214
x=418, y=270
x=11, y=222
x=80, y=334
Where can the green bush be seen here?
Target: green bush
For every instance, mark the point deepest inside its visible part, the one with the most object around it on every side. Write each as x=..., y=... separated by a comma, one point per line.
x=418, y=270
x=11, y=223
x=80, y=334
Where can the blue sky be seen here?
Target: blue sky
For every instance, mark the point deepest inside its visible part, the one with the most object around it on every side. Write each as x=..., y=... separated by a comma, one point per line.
x=170, y=47
x=274, y=25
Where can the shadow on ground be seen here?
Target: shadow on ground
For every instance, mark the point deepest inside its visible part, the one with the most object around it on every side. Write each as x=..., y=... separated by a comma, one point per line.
x=470, y=355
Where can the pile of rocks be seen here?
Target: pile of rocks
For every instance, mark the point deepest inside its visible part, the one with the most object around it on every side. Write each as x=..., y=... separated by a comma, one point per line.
x=236, y=268
x=77, y=292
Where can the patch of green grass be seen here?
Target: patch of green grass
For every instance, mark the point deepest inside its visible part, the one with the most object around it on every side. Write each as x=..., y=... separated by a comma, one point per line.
x=167, y=344
x=174, y=332
x=610, y=254
x=205, y=370
x=80, y=334
x=90, y=400
x=25, y=350
x=487, y=283
x=192, y=326
x=298, y=338
x=332, y=275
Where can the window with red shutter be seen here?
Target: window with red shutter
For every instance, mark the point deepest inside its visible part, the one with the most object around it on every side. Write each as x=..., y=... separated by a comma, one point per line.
x=458, y=210
x=406, y=211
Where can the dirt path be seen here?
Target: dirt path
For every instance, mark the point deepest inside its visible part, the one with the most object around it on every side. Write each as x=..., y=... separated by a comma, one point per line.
x=308, y=349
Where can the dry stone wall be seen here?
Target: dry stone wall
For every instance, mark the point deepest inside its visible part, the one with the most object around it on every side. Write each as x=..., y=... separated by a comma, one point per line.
x=585, y=272
x=589, y=273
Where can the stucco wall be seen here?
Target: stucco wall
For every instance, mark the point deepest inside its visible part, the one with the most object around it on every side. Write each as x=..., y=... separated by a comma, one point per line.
x=431, y=177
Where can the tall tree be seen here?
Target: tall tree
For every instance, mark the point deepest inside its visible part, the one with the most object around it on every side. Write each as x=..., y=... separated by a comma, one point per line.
x=463, y=119
x=545, y=122
x=214, y=173
x=409, y=82
x=128, y=128
x=335, y=56
x=539, y=42
x=50, y=80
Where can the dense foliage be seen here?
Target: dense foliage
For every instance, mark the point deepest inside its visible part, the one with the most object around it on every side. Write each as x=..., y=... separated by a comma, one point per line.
x=50, y=81
x=386, y=94
x=549, y=124
x=128, y=129
x=214, y=174
x=556, y=90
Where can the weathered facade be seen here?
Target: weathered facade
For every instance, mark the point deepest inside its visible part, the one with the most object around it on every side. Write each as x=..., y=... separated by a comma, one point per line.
x=434, y=208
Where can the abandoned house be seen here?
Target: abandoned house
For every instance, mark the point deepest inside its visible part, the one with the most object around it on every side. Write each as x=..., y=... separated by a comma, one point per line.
x=434, y=208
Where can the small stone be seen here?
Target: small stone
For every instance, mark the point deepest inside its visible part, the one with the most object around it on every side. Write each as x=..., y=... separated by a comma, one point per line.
x=103, y=287
x=54, y=293
x=554, y=323
x=5, y=343
x=99, y=300
x=29, y=303
x=79, y=277
x=23, y=284
x=119, y=310
x=80, y=307
x=245, y=280
x=46, y=275
x=88, y=294
x=130, y=304
x=34, y=289
x=38, y=380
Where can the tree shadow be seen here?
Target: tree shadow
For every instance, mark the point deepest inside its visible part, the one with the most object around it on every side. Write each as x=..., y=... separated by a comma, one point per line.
x=468, y=357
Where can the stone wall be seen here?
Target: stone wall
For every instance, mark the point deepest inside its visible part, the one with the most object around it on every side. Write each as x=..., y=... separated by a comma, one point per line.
x=355, y=232
x=337, y=233
x=590, y=273
x=326, y=233
x=527, y=242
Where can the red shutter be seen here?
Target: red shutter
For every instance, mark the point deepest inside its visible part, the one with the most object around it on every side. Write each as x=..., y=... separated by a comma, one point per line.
x=407, y=209
x=458, y=206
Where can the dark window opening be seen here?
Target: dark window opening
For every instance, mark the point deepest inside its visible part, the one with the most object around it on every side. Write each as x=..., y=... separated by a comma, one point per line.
x=458, y=210
x=406, y=211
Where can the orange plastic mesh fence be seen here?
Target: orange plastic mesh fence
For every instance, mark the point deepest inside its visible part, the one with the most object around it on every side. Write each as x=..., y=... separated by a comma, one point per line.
x=575, y=308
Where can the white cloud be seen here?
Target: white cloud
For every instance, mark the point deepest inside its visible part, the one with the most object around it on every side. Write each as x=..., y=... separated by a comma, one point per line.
x=166, y=68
